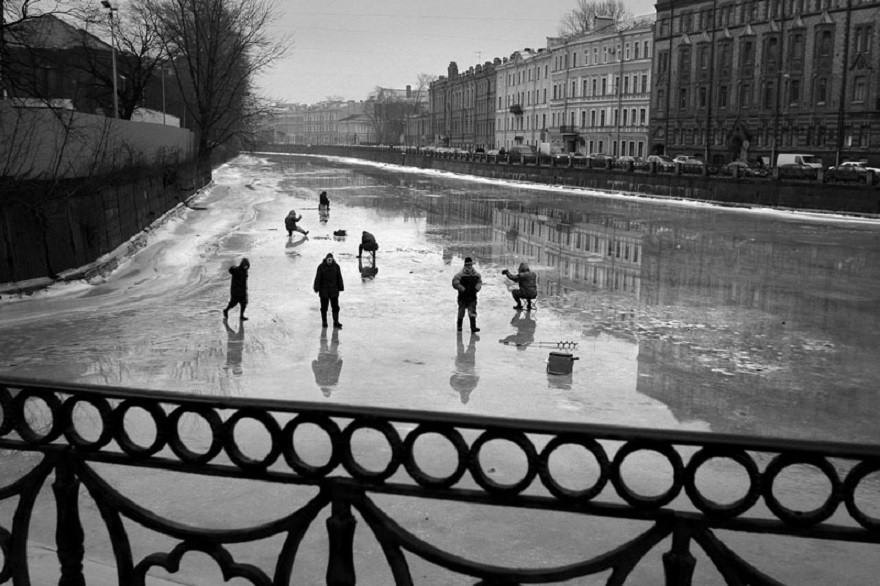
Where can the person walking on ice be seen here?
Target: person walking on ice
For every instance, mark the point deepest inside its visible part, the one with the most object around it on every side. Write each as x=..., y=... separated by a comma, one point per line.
x=290, y=223
x=238, y=288
x=528, y=286
x=368, y=243
x=468, y=283
x=328, y=285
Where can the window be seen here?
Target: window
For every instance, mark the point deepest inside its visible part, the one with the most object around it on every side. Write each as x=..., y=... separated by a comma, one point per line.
x=583, y=118
x=662, y=63
x=862, y=38
x=682, y=98
x=794, y=92
x=771, y=54
x=594, y=88
x=703, y=97
x=626, y=85
x=745, y=95
x=859, y=88
x=602, y=118
x=768, y=95
x=643, y=116
x=584, y=88
x=661, y=99
x=626, y=53
x=821, y=91
x=574, y=59
x=635, y=50
x=722, y=96
x=823, y=43
x=645, y=52
x=746, y=55
x=684, y=64
x=604, y=54
x=604, y=86
x=592, y=119
x=625, y=117
x=703, y=57
x=645, y=84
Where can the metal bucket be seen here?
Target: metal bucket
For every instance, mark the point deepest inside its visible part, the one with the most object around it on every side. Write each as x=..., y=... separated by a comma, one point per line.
x=560, y=363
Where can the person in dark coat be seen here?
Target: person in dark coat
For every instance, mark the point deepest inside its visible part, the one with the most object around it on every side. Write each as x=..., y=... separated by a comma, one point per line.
x=238, y=288
x=468, y=283
x=328, y=286
x=368, y=243
x=324, y=201
x=290, y=223
x=528, y=286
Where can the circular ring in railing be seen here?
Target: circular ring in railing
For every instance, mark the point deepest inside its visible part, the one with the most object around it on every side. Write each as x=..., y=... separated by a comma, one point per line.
x=640, y=501
x=5, y=546
x=186, y=455
x=422, y=477
x=73, y=436
x=356, y=470
x=801, y=518
x=24, y=429
x=8, y=406
x=710, y=507
x=231, y=446
x=855, y=476
x=522, y=442
x=299, y=465
x=157, y=414
x=557, y=489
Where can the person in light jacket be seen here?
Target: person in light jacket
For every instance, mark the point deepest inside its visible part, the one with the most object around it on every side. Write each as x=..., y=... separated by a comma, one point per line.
x=468, y=283
x=528, y=286
x=328, y=285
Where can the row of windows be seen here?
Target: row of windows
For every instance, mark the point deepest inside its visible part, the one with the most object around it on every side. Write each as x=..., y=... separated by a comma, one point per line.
x=771, y=55
x=630, y=52
x=632, y=84
x=597, y=118
x=792, y=96
x=743, y=13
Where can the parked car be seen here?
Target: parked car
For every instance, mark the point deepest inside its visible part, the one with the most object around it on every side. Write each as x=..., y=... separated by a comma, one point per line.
x=522, y=153
x=744, y=169
x=493, y=152
x=600, y=158
x=850, y=169
x=687, y=160
x=661, y=159
x=627, y=159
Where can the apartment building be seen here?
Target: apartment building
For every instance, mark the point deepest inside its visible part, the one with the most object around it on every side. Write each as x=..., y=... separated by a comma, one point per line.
x=522, y=109
x=750, y=79
x=461, y=107
x=600, y=89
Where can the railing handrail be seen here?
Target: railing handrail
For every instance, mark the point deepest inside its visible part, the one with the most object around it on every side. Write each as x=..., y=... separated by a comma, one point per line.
x=605, y=431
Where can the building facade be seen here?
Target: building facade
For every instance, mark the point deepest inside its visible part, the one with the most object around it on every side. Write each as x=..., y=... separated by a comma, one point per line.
x=323, y=123
x=461, y=107
x=752, y=79
x=601, y=90
x=522, y=106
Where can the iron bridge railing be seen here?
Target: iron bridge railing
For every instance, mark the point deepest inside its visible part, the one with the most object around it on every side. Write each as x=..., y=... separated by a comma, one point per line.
x=71, y=444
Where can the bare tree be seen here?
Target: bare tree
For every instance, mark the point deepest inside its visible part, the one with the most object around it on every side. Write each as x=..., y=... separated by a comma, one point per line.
x=582, y=19
x=423, y=83
x=387, y=111
x=216, y=48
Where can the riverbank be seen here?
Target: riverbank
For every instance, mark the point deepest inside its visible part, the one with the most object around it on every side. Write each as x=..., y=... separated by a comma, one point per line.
x=801, y=192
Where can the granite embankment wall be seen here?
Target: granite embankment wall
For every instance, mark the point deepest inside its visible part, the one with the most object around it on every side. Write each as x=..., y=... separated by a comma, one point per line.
x=768, y=192
x=47, y=227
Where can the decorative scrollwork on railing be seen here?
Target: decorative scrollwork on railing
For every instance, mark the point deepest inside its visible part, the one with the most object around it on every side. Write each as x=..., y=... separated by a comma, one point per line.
x=344, y=482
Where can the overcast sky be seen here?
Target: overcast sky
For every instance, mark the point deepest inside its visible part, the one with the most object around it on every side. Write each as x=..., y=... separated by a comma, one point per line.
x=346, y=48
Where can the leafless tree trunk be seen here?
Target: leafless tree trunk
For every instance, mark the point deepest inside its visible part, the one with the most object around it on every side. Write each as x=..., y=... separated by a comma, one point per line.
x=582, y=19
x=216, y=48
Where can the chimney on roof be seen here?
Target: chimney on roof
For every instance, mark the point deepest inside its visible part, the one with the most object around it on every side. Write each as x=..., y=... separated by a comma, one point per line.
x=452, y=70
x=409, y=91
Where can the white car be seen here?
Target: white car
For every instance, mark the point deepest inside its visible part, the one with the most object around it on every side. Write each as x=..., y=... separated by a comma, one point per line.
x=687, y=160
x=854, y=166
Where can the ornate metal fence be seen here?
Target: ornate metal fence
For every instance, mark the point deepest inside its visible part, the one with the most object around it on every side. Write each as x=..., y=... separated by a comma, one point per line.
x=680, y=518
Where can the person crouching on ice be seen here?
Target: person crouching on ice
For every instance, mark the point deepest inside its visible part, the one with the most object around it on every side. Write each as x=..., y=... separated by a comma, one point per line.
x=468, y=283
x=290, y=223
x=528, y=286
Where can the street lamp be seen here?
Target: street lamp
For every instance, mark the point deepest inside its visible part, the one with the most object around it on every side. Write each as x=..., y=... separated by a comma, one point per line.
x=106, y=4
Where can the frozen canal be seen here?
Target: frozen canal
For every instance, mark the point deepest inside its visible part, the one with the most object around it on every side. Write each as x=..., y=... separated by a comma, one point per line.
x=685, y=316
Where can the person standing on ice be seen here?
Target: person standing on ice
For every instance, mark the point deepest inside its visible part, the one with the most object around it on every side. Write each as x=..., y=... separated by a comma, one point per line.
x=328, y=285
x=528, y=286
x=468, y=283
x=290, y=223
x=238, y=294
x=323, y=201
